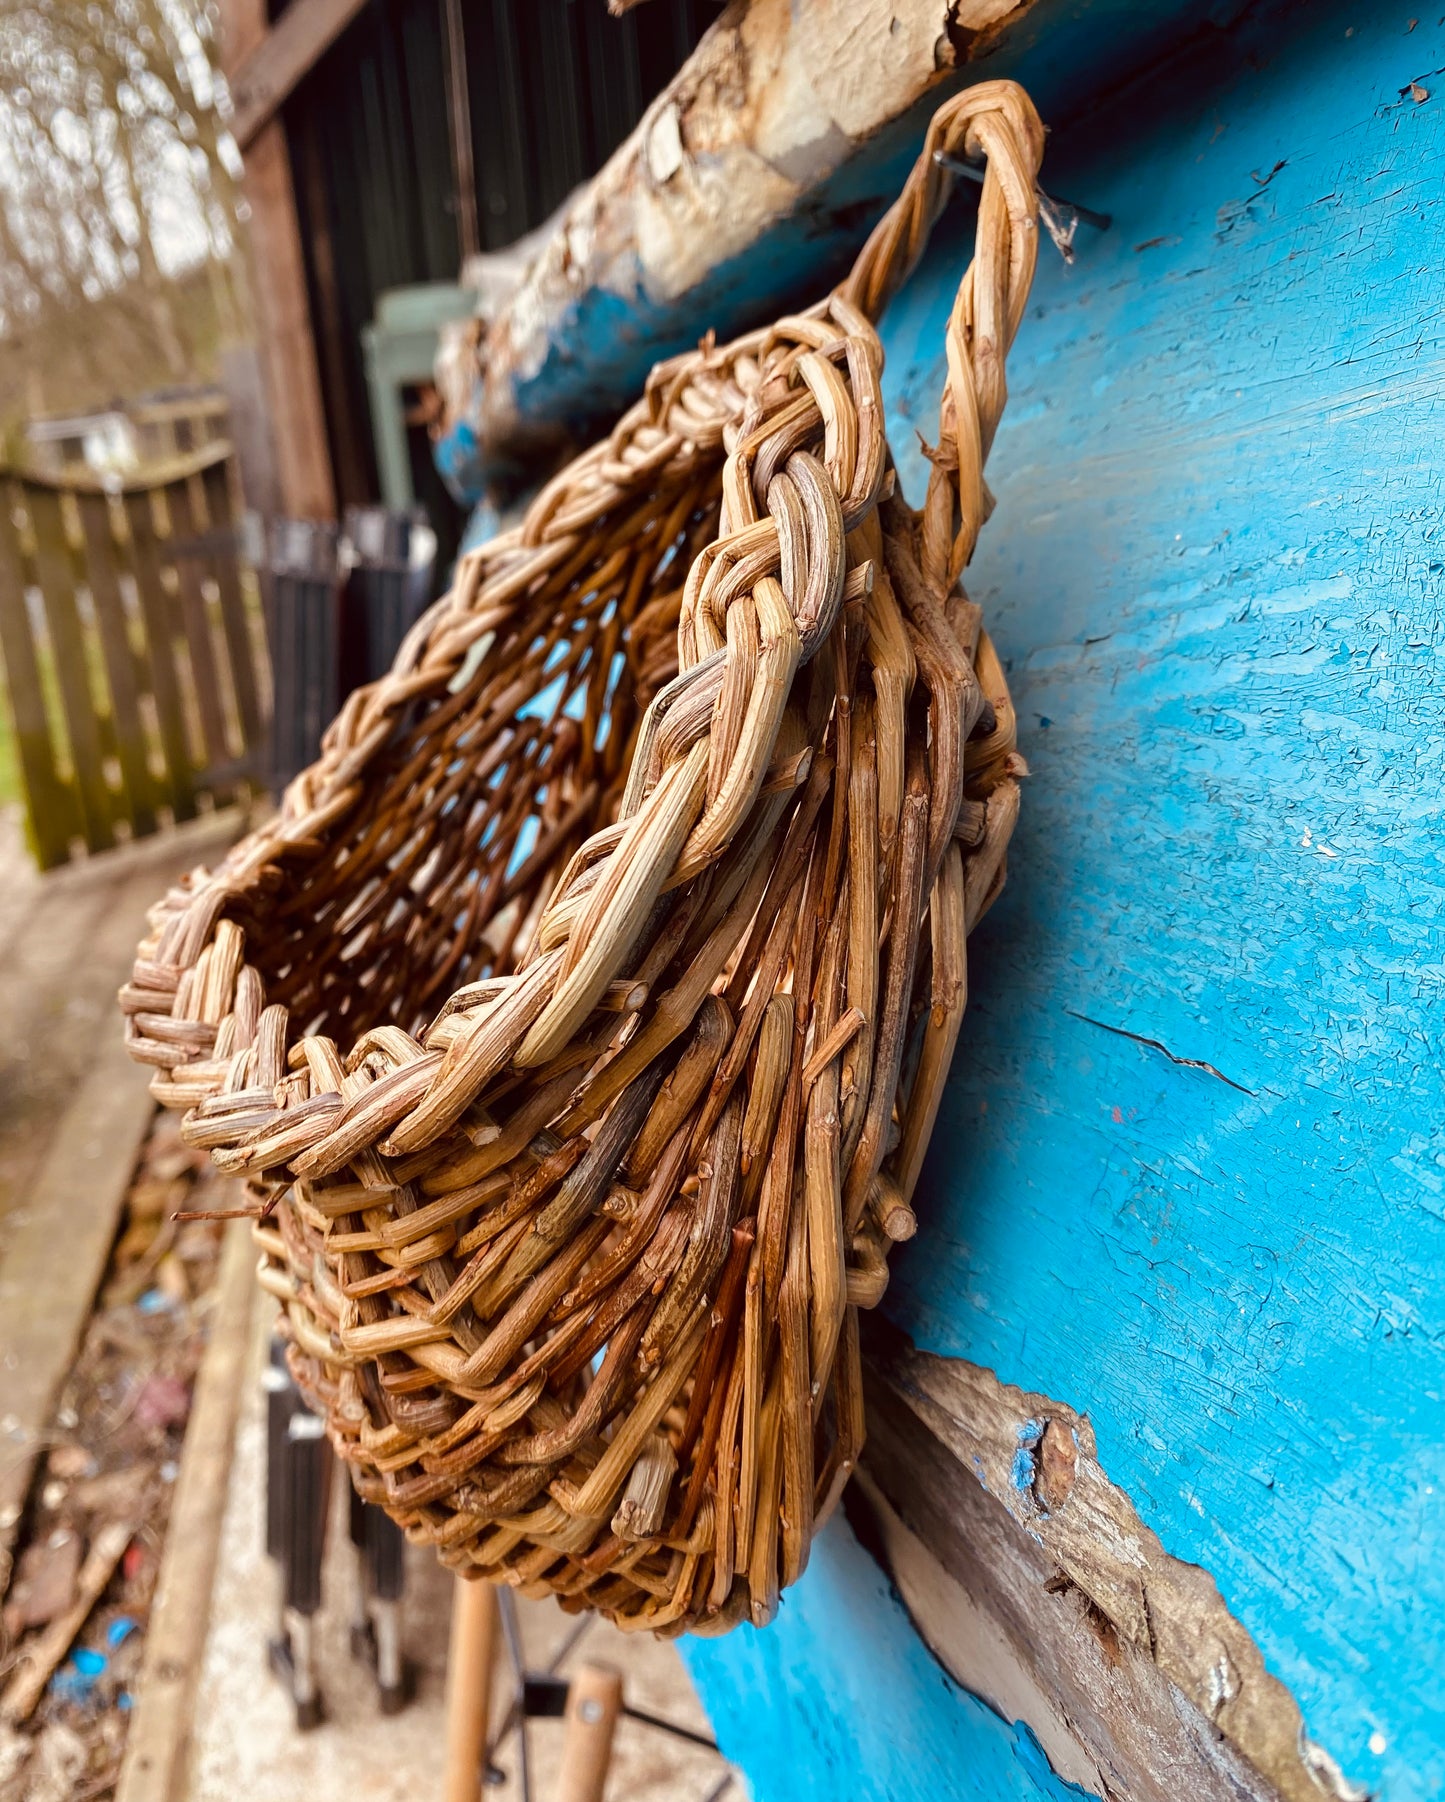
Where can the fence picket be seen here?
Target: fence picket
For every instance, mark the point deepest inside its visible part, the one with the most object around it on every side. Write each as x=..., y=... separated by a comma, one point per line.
x=55, y=573
x=165, y=682
x=54, y=815
x=121, y=664
x=240, y=643
x=160, y=706
x=195, y=621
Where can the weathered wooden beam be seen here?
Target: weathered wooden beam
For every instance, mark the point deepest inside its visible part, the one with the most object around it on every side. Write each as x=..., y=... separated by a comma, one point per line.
x=160, y=1737
x=288, y=51
x=695, y=220
x=301, y=482
x=1038, y=1586
x=754, y=177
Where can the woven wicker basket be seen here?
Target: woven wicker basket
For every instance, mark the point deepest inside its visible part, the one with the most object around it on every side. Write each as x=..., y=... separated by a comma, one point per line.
x=582, y=1017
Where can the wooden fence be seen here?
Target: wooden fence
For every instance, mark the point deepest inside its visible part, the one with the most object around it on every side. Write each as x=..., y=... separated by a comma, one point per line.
x=134, y=650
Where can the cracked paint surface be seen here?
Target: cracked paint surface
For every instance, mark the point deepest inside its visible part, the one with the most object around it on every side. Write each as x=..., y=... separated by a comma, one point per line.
x=1216, y=563
x=1189, y=1174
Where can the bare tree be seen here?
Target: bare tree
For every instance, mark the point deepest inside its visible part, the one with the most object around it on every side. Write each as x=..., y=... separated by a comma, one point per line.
x=118, y=195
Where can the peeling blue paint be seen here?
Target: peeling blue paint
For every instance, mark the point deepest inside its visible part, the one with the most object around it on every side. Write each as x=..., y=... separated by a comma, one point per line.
x=1190, y=1171
x=1216, y=583
x=1025, y=1465
x=599, y=354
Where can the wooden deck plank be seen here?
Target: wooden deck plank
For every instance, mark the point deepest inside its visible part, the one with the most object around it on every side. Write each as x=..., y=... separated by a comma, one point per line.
x=73, y=1112
x=45, y=1300
x=65, y=948
x=59, y=978
x=160, y=1736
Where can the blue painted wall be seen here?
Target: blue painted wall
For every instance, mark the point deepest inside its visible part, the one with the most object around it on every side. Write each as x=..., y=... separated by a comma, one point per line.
x=871, y=1713
x=1216, y=571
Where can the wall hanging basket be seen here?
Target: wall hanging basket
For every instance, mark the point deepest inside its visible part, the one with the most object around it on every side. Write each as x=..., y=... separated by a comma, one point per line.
x=582, y=1017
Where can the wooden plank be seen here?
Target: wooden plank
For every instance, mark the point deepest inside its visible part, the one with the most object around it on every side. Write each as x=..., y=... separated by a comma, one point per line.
x=58, y=974
x=304, y=32
x=204, y=544
x=121, y=663
x=700, y=212
x=459, y=121
x=97, y=663
x=293, y=382
x=158, y=471
x=195, y=621
x=60, y=966
x=165, y=685
x=156, y=1751
x=244, y=378
x=1033, y=1579
x=306, y=486
x=312, y=137
x=56, y=575
x=46, y=1299
x=73, y=1110
x=52, y=812
x=235, y=624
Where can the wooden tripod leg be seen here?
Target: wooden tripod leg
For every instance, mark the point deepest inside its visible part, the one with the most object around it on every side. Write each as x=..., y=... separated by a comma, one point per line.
x=469, y=1688
x=594, y=1702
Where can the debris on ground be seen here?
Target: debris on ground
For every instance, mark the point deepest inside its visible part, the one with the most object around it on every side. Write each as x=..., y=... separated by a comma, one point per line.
x=73, y=1615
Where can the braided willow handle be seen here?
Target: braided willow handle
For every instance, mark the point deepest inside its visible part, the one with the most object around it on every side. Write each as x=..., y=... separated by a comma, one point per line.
x=782, y=539
x=995, y=120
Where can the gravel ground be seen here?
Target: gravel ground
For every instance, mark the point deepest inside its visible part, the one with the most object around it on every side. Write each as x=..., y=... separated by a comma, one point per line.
x=245, y=1739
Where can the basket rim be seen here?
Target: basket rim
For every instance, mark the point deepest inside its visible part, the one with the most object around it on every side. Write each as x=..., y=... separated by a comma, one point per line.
x=708, y=1190
x=191, y=974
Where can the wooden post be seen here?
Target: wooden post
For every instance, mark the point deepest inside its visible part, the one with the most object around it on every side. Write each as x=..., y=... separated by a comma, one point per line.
x=469, y=1688
x=281, y=57
x=594, y=1702
x=303, y=480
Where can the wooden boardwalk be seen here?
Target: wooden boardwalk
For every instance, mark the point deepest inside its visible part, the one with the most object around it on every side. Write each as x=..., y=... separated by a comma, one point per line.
x=73, y=1109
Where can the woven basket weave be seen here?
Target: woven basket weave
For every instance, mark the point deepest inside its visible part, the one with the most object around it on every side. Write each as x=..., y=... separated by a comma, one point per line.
x=582, y=1017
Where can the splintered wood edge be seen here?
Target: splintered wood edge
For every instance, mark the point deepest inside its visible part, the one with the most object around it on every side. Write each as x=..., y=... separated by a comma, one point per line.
x=1038, y=1586
x=719, y=110
x=160, y=1733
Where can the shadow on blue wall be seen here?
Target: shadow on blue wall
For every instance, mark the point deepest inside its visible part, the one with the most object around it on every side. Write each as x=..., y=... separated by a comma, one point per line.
x=872, y=1717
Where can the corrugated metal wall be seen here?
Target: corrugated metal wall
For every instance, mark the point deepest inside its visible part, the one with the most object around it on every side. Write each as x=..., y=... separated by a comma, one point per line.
x=554, y=85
